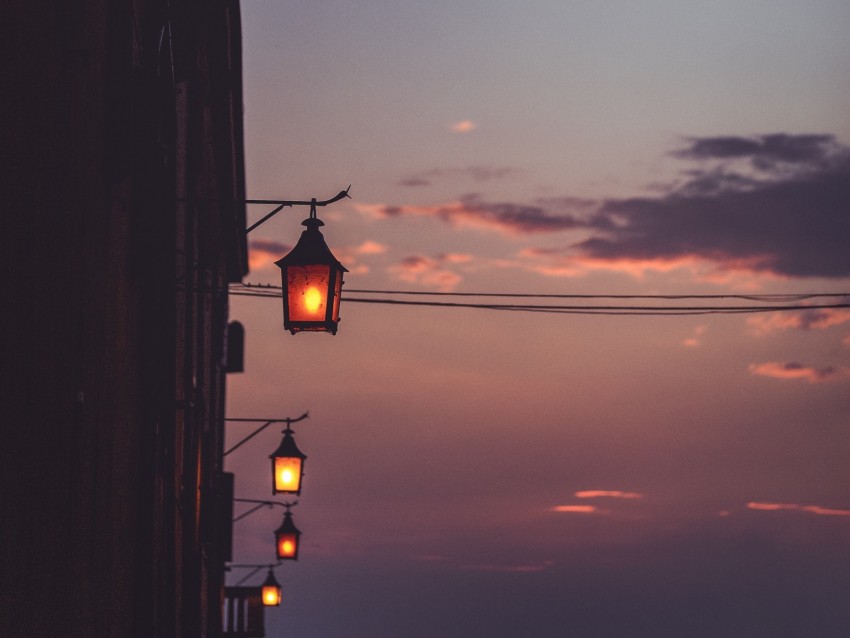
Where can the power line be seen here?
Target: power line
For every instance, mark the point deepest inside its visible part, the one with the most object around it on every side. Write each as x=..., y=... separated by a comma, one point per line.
x=269, y=290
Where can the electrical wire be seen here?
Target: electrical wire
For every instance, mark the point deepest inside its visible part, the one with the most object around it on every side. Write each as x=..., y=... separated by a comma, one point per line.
x=791, y=302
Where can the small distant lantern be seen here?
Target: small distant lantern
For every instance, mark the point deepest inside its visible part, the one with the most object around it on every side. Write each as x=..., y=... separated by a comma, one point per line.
x=312, y=282
x=271, y=592
x=286, y=538
x=287, y=465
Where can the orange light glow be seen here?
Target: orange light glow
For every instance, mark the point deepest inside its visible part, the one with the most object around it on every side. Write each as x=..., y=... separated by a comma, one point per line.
x=312, y=300
x=287, y=474
x=308, y=290
x=286, y=547
x=271, y=595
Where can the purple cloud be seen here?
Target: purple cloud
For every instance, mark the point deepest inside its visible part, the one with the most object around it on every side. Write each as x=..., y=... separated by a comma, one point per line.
x=765, y=151
x=793, y=225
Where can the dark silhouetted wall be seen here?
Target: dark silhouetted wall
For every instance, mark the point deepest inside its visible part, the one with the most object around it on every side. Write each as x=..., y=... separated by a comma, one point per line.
x=121, y=190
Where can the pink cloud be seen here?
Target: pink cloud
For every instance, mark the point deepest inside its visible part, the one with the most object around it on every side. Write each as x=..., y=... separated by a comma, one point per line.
x=263, y=252
x=561, y=263
x=577, y=509
x=427, y=271
x=369, y=247
x=811, y=509
x=794, y=370
x=607, y=494
x=694, y=340
x=464, y=126
x=815, y=319
x=457, y=258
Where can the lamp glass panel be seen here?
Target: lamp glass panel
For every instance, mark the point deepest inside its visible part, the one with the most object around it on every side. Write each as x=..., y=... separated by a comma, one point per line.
x=307, y=288
x=271, y=595
x=287, y=474
x=287, y=545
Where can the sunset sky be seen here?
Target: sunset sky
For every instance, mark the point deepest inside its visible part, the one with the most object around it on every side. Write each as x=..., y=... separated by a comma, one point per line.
x=481, y=473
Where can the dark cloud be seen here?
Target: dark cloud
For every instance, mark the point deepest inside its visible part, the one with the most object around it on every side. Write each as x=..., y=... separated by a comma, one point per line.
x=571, y=204
x=392, y=211
x=517, y=218
x=472, y=210
x=765, y=151
x=793, y=224
x=777, y=204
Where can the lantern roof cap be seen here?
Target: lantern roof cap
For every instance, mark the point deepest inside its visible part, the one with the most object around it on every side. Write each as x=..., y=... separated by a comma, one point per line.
x=287, y=447
x=287, y=526
x=311, y=248
x=271, y=581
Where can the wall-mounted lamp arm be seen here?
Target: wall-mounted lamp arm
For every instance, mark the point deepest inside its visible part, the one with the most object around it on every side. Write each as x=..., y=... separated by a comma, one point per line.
x=259, y=505
x=281, y=204
x=254, y=569
x=266, y=423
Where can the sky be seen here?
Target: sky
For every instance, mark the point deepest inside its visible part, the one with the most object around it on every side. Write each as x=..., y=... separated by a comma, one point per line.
x=483, y=473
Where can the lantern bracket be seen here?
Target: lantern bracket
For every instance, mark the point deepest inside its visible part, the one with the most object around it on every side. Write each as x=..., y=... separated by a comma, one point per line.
x=259, y=505
x=281, y=204
x=253, y=567
x=266, y=423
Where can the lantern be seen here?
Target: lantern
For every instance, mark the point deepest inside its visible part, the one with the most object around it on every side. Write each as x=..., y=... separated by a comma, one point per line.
x=287, y=465
x=286, y=538
x=312, y=282
x=270, y=591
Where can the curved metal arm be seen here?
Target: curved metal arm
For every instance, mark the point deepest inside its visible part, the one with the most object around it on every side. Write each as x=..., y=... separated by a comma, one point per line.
x=260, y=504
x=281, y=204
x=267, y=423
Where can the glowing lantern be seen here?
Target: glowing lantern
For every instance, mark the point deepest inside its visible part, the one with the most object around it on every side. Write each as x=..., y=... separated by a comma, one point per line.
x=312, y=282
x=286, y=538
x=287, y=465
x=271, y=592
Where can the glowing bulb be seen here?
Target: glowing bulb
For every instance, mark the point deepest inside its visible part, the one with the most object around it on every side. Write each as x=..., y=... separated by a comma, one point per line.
x=287, y=548
x=271, y=596
x=312, y=299
x=286, y=476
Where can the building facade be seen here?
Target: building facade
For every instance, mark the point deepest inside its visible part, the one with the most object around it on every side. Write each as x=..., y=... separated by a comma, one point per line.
x=123, y=199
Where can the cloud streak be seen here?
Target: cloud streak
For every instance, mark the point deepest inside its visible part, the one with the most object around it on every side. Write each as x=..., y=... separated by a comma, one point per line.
x=607, y=494
x=472, y=211
x=816, y=319
x=810, y=509
x=795, y=370
x=577, y=509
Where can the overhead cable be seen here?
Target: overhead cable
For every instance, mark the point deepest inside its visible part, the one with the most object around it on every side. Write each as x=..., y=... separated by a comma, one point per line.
x=273, y=291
